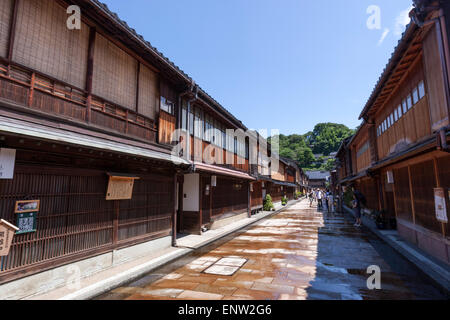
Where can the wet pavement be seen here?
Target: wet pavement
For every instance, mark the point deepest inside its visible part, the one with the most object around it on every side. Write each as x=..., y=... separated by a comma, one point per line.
x=298, y=254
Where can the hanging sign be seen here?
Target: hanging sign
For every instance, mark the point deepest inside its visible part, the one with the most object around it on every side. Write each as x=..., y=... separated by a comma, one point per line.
x=440, y=205
x=7, y=231
x=7, y=162
x=120, y=187
x=27, y=211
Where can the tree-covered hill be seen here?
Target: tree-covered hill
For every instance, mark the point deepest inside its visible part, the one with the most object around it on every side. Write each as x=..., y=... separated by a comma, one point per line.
x=323, y=140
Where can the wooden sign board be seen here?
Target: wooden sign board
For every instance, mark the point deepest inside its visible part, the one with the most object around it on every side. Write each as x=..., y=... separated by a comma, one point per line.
x=27, y=222
x=7, y=163
x=120, y=187
x=440, y=205
x=7, y=231
x=25, y=206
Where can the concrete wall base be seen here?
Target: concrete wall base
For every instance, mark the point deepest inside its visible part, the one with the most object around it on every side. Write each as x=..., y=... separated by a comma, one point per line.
x=46, y=281
x=427, y=241
x=221, y=223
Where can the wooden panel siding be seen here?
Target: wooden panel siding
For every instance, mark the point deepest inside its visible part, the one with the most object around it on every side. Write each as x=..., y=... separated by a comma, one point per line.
x=115, y=74
x=369, y=189
x=280, y=173
x=443, y=165
x=5, y=24
x=149, y=98
x=75, y=218
x=434, y=80
x=166, y=127
x=150, y=209
x=44, y=43
x=412, y=125
x=403, y=204
x=256, y=195
x=423, y=184
x=230, y=196
x=36, y=91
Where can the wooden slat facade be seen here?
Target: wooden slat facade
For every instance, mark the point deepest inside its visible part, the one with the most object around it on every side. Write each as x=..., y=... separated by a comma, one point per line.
x=407, y=113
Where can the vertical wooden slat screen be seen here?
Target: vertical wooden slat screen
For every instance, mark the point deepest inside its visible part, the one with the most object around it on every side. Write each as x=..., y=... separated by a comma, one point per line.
x=423, y=184
x=115, y=74
x=443, y=165
x=403, y=194
x=74, y=215
x=149, y=97
x=5, y=20
x=150, y=209
x=227, y=199
x=44, y=43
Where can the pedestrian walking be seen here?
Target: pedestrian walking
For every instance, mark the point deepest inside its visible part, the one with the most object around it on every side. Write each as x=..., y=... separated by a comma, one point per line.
x=319, y=199
x=311, y=198
x=358, y=200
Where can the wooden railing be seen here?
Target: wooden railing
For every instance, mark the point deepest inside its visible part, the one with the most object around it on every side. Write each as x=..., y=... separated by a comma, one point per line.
x=38, y=92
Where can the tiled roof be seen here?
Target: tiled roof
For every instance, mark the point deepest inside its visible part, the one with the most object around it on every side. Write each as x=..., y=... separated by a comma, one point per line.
x=318, y=175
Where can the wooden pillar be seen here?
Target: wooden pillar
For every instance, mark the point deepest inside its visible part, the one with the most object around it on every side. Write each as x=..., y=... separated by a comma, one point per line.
x=211, y=188
x=438, y=185
x=12, y=33
x=116, y=221
x=200, y=204
x=411, y=195
x=174, y=213
x=31, y=92
x=138, y=72
x=249, y=200
x=90, y=72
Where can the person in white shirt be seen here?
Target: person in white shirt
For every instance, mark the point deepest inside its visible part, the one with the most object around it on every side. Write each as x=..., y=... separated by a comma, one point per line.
x=319, y=199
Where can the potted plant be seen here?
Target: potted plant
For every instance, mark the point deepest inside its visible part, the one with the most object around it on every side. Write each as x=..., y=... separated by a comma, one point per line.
x=380, y=219
x=284, y=201
x=268, y=204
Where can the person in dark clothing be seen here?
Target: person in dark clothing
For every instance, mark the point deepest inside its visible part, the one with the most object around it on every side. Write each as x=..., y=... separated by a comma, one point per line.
x=358, y=200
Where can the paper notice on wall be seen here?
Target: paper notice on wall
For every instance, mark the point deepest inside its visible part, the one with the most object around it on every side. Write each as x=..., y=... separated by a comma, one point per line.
x=7, y=162
x=440, y=205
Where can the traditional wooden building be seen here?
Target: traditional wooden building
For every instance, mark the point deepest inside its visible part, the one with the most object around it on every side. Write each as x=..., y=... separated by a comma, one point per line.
x=399, y=158
x=318, y=179
x=113, y=147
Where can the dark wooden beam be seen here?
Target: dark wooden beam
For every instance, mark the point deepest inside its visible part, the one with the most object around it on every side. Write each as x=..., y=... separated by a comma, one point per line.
x=12, y=33
x=138, y=73
x=90, y=72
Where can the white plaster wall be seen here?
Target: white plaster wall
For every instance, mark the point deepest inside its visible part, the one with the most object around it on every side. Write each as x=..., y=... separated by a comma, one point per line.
x=191, y=189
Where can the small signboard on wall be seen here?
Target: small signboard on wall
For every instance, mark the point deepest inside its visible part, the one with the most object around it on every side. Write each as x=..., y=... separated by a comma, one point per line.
x=120, y=187
x=7, y=231
x=26, y=211
x=440, y=205
x=7, y=162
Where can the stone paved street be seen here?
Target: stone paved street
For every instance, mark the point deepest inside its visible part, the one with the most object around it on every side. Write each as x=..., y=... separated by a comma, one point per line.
x=298, y=254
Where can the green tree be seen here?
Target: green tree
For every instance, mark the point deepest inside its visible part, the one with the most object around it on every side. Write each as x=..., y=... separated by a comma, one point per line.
x=324, y=139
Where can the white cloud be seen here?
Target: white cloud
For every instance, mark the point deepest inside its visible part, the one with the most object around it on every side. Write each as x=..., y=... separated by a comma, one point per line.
x=383, y=36
x=402, y=21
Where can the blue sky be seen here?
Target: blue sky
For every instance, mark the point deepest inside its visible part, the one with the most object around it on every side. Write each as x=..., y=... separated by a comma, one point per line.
x=275, y=64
